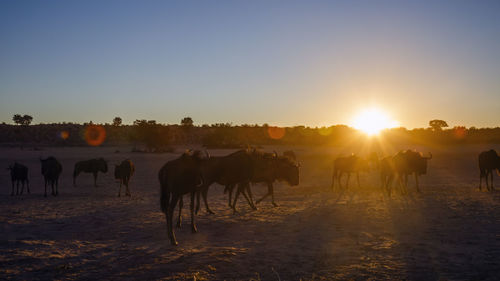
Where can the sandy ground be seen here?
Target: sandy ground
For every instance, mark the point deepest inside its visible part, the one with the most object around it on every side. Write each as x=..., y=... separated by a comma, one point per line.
x=451, y=231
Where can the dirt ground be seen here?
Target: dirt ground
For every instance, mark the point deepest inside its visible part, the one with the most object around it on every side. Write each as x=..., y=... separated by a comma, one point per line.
x=451, y=231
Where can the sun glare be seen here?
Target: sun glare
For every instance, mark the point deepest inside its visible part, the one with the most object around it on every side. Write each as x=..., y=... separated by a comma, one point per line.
x=373, y=120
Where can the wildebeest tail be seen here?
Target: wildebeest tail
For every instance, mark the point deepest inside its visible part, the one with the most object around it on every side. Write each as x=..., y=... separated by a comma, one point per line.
x=165, y=194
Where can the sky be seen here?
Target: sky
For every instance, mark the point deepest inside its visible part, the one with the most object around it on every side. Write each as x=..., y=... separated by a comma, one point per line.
x=285, y=63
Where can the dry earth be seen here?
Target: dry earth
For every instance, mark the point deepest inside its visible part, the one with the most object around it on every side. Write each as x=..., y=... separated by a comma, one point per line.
x=451, y=231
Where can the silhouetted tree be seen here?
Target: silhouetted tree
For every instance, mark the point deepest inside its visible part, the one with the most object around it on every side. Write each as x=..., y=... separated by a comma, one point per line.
x=117, y=121
x=187, y=121
x=148, y=132
x=22, y=120
x=438, y=125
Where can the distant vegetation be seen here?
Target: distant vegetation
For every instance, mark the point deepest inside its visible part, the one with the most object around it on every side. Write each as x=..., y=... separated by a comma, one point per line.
x=150, y=136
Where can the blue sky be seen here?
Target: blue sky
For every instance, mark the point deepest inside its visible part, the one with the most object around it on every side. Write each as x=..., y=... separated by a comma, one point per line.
x=287, y=63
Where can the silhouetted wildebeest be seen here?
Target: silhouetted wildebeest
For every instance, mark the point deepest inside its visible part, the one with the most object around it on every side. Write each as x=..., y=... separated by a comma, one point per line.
x=488, y=161
x=51, y=170
x=230, y=170
x=269, y=168
x=124, y=172
x=348, y=165
x=19, y=174
x=410, y=162
x=90, y=166
x=178, y=177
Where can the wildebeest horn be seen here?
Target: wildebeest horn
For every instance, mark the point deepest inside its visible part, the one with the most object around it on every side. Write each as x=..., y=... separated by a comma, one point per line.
x=207, y=154
x=430, y=156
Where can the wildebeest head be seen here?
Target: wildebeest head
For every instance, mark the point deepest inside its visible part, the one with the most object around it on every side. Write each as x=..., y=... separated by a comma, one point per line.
x=287, y=170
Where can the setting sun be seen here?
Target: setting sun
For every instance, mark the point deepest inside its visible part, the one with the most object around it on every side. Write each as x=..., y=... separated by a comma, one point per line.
x=373, y=120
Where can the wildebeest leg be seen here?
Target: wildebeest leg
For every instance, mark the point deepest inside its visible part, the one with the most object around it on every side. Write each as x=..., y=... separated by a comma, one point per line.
x=193, y=224
x=204, y=194
x=45, y=195
x=17, y=187
x=249, y=190
x=357, y=177
x=22, y=187
x=95, y=178
x=333, y=180
x=170, y=213
x=13, y=186
x=230, y=190
x=339, y=176
x=242, y=188
x=126, y=185
x=347, y=181
x=28, y=186
x=179, y=218
x=235, y=200
x=271, y=188
x=57, y=187
x=389, y=184
x=491, y=175
x=120, y=190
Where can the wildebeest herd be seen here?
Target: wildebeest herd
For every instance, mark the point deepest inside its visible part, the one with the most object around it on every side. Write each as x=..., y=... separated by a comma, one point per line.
x=194, y=172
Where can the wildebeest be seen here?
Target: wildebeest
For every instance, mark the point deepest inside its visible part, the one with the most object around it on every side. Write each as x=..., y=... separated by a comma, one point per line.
x=269, y=168
x=230, y=170
x=124, y=172
x=409, y=162
x=90, y=166
x=348, y=165
x=178, y=177
x=19, y=174
x=51, y=170
x=488, y=161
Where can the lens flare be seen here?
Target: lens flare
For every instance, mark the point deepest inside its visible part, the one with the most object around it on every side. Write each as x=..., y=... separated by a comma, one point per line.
x=64, y=135
x=95, y=135
x=276, y=132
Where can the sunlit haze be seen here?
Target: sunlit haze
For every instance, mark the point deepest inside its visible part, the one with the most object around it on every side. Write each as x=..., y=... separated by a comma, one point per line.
x=373, y=120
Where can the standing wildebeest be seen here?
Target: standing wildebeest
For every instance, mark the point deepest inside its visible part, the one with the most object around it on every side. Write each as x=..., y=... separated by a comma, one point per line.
x=268, y=168
x=178, y=177
x=19, y=174
x=51, y=170
x=271, y=168
x=90, y=166
x=349, y=164
x=124, y=172
x=409, y=162
x=488, y=161
x=230, y=170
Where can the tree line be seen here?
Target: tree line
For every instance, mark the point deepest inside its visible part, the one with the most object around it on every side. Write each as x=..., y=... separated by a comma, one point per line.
x=151, y=136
